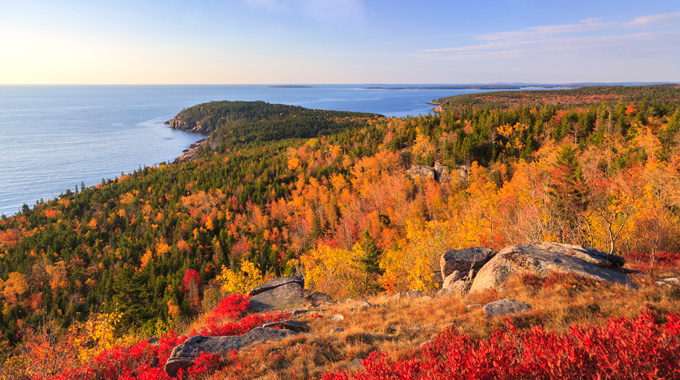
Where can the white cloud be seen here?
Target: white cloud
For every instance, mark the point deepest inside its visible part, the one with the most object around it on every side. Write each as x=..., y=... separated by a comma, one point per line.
x=658, y=21
x=659, y=32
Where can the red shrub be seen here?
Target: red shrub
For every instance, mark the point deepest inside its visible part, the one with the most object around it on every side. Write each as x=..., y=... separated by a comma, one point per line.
x=231, y=308
x=146, y=362
x=623, y=349
x=662, y=260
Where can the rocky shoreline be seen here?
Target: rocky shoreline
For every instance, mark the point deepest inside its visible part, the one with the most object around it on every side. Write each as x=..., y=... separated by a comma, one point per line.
x=191, y=152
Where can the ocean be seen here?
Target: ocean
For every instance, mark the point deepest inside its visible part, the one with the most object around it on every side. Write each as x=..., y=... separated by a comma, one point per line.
x=54, y=138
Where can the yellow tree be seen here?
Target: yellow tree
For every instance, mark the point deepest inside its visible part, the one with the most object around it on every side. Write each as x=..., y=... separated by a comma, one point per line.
x=248, y=277
x=335, y=271
x=415, y=263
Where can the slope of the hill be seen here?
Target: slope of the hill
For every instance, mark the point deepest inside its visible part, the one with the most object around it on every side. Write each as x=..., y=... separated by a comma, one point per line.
x=163, y=244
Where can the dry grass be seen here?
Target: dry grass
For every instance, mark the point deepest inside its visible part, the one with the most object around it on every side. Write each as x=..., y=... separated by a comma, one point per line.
x=399, y=326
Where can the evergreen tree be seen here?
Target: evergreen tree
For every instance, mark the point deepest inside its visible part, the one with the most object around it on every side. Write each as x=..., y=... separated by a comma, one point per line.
x=371, y=263
x=567, y=191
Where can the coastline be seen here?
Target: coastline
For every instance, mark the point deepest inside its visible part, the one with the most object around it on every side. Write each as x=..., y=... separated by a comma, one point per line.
x=190, y=153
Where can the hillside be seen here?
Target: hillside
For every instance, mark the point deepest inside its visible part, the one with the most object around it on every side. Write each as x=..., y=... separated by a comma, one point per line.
x=231, y=124
x=337, y=196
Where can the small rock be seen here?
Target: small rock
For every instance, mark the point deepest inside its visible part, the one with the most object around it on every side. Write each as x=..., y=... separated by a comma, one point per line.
x=505, y=306
x=363, y=304
x=414, y=293
x=338, y=317
x=425, y=343
x=300, y=312
x=336, y=330
x=289, y=325
x=473, y=306
x=318, y=298
x=355, y=364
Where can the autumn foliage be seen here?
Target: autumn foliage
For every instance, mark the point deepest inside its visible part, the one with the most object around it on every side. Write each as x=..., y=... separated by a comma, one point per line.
x=141, y=360
x=637, y=348
x=157, y=247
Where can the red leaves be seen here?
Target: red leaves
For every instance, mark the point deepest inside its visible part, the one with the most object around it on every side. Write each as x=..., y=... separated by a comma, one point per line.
x=191, y=279
x=231, y=307
x=145, y=361
x=629, y=349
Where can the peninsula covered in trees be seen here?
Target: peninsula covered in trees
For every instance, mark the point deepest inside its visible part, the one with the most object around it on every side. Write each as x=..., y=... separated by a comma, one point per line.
x=280, y=190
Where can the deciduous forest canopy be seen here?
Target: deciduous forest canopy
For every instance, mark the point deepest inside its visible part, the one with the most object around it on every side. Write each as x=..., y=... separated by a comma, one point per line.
x=280, y=189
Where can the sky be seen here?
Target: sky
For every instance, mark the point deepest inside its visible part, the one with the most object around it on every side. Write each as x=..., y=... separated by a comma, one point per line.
x=338, y=41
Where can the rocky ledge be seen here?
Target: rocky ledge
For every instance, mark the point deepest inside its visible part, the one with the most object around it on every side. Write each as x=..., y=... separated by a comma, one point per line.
x=190, y=153
x=476, y=269
x=182, y=125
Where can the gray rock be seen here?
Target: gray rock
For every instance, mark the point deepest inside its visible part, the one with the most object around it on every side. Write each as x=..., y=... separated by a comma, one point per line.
x=458, y=287
x=541, y=259
x=285, y=297
x=275, y=283
x=183, y=356
x=453, y=277
x=473, y=306
x=505, y=306
x=464, y=260
x=671, y=281
x=336, y=330
x=338, y=317
x=300, y=312
x=593, y=256
x=422, y=172
x=414, y=293
x=289, y=325
x=318, y=298
x=439, y=168
x=355, y=364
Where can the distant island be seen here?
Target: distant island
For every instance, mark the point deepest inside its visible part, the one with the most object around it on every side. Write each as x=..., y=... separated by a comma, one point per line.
x=453, y=87
x=511, y=86
x=289, y=86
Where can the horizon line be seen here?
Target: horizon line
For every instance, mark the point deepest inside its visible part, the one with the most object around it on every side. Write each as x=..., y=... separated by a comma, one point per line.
x=347, y=84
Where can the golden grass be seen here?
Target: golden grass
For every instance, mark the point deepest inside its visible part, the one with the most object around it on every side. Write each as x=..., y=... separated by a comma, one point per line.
x=399, y=326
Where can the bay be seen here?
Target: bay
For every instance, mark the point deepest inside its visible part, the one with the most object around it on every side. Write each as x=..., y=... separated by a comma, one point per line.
x=54, y=138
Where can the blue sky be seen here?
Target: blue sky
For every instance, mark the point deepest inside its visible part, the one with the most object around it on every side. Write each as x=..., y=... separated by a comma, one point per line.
x=338, y=41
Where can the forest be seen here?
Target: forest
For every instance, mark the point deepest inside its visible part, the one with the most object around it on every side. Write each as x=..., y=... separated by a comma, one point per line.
x=283, y=190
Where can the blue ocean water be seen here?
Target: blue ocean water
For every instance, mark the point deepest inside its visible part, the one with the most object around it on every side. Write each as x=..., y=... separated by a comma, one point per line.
x=53, y=138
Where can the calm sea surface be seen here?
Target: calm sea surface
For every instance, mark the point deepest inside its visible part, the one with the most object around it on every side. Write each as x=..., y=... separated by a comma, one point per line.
x=53, y=138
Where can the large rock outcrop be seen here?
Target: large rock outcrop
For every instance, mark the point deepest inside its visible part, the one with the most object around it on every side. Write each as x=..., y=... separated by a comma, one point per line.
x=459, y=266
x=464, y=260
x=543, y=258
x=284, y=293
x=439, y=172
x=183, y=356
